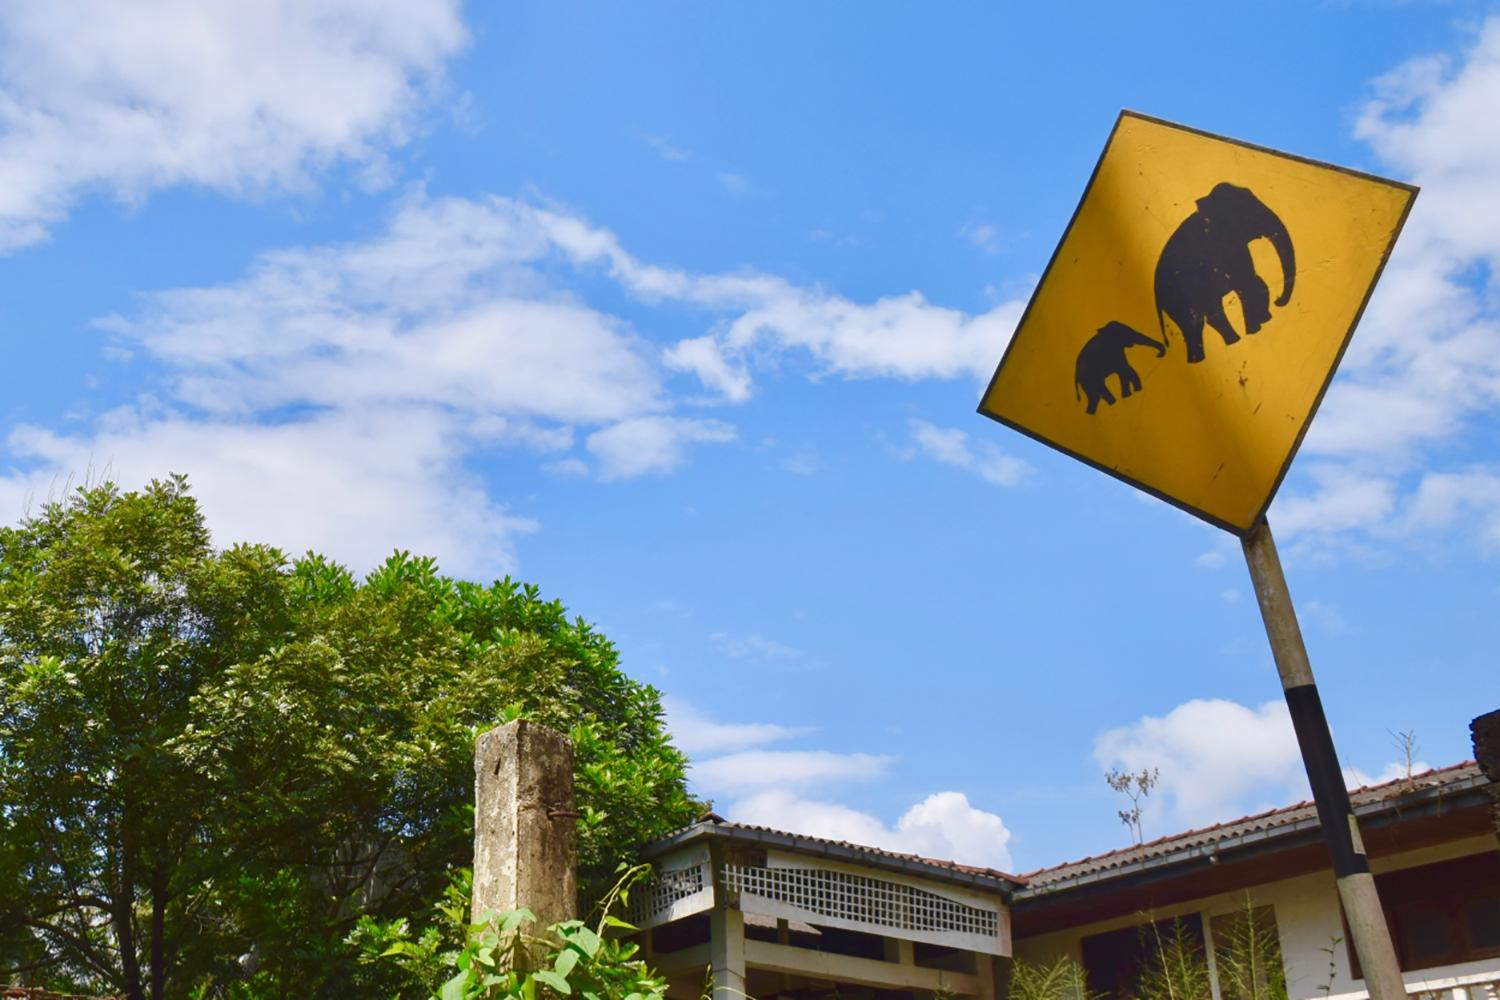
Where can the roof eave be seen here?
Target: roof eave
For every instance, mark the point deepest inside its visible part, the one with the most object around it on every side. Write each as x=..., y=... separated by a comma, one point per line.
x=833, y=850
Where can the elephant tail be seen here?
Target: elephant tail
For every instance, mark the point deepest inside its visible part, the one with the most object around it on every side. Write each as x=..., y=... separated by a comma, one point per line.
x=1161, y=321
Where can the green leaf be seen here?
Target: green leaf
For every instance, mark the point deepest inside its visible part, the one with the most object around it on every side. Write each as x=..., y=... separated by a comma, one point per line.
x=613, y=921
x=587, y=940
x=453, y=989
x=510, y=921
x=566, y=959
x=553, y=980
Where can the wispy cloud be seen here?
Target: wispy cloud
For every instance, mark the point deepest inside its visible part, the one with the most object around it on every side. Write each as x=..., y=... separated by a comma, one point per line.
x=642, y=445
x=982, y=235
x=753, y=647
x=694, y=732
x=132, y=97
x=664, y=148
x=797, y=790
x=951, y=446
x=785, y=769
x=467, y=314
x=1423, y=369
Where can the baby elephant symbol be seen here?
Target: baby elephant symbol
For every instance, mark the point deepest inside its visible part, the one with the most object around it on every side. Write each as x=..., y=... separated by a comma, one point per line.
x=1104, y=355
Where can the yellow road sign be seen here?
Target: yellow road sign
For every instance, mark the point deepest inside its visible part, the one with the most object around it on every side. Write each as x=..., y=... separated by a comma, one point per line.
x=1190, y=320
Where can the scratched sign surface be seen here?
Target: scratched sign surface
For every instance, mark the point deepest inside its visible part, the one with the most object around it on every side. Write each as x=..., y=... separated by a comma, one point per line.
x=1192, y=316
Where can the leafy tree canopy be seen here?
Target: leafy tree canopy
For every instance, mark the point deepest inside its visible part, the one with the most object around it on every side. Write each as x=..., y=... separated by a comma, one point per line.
x=213, y=763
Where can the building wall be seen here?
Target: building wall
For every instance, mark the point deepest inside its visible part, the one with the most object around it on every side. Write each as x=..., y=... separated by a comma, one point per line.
x=1307, y=919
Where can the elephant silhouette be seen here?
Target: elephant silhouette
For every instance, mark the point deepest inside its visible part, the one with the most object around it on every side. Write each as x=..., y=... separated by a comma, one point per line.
x=1208, y=256
x=1104, y=355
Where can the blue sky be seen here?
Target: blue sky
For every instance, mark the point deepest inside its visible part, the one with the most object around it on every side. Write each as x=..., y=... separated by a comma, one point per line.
x=682, y=312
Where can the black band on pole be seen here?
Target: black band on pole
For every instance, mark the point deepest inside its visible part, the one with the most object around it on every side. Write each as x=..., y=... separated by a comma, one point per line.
x=1334, y=811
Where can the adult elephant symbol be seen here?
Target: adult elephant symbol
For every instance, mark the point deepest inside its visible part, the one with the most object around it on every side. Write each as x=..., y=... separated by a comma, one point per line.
x=1104, y=355
x=1208, y=256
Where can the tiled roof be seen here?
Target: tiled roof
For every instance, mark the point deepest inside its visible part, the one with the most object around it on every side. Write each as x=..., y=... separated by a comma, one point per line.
x=1261, y=826
x=915, y=864
x=1153, y=854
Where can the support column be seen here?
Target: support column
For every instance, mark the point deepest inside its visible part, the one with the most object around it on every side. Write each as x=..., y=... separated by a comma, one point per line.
x=727, y=952
x=1351, y=868
x=986, y=970
x=525, y=839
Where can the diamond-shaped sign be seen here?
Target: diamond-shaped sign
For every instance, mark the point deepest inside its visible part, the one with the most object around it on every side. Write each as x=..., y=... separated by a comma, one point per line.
x=1192, y=317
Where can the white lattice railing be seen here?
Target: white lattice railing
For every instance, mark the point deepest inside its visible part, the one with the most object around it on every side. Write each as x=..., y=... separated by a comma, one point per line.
x=672, y=893
x=1486, y=986
x=861, y=899
x=1473, y=986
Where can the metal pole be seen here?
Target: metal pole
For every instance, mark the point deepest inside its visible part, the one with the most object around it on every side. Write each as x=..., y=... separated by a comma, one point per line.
x=1351, y=869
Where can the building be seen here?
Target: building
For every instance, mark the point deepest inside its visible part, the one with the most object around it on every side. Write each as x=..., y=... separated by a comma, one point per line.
x=777, y=914
x=1432, y=847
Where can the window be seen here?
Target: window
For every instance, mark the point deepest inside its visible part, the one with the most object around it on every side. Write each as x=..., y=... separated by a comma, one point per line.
x=1115, y=960
x=1247, y=947
x=1443, y=913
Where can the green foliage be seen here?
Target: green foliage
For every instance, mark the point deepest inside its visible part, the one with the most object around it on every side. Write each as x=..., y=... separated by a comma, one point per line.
x=1062, y=979
x=213, y=763
x=1175, y=968
x=1248, y=960
x=452, y=959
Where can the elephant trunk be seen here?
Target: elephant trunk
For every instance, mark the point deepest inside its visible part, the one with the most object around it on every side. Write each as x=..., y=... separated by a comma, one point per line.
x=1283, y=244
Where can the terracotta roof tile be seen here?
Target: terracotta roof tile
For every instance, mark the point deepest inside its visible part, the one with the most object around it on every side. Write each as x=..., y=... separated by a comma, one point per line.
x=1219, y=833
x=1364, y=799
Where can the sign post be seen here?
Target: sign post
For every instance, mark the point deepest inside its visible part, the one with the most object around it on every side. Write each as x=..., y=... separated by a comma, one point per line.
x=1351, y=869
x=1183, y=259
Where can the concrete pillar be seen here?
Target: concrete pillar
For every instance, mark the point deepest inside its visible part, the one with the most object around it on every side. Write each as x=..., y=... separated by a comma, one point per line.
x=727, y=952
x=987, y=972
x=525, y=839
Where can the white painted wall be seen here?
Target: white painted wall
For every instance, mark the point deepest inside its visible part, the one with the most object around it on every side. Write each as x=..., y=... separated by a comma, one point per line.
x=1307, y=918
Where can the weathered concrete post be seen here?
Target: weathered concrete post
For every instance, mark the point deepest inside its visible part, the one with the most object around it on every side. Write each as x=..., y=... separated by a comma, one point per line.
x=525, y=838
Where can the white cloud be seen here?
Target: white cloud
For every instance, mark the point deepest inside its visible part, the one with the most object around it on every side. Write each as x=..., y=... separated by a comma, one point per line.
x=1423, y=370
x=1356, y=778
x=703, y=357
x=463, y=312
x=666, y=149
x=982, y=235
x=694, y=732
x=753, y=647
x=901, y=336
x=787, y=769
x=1212, y=559
x=241, y=98
x=787, y=790
x=1326, y=616
x=943, y=826
x=352, y=485
x=569, y=466
x=643, y=445
x=1218, y=760
x=951, y=446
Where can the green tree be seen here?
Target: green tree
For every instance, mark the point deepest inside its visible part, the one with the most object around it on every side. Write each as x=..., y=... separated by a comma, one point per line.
x=213, y=763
